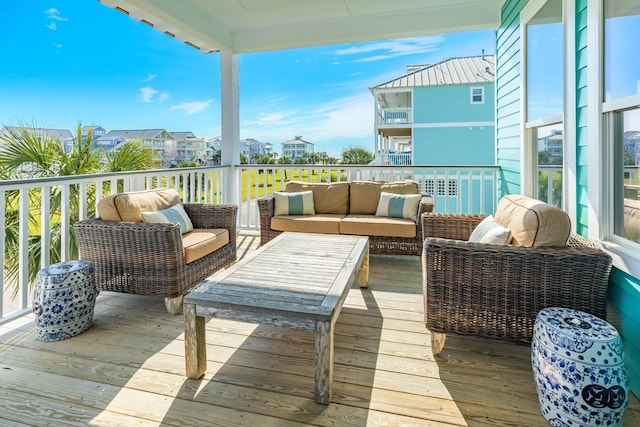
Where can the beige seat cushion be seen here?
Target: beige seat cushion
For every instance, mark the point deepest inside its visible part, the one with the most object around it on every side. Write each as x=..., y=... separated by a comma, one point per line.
x=128, y=207
x=365, y=195
x=328, y=198
x=199, y=243
x=532, y=222
x=371, y=225
x=632, y=219
x=319, y=223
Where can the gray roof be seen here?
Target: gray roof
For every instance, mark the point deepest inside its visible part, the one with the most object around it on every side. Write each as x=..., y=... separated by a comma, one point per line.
x=61, y=134
x=144, y=134
x=453, y=71
x=181, y=136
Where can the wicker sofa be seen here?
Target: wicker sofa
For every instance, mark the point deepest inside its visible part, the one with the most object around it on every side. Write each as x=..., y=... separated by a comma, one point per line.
x=137, y=257
x=496, y=290
x=350, y=208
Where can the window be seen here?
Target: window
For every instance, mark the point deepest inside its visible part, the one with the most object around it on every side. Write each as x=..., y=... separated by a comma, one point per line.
x=477, y=95
x=622, y=114
x=545, y=100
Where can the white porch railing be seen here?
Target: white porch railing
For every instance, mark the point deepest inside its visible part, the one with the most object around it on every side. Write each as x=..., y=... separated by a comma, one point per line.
x=394, y=159
x=43, y=210
x=34, y=208
x=394, y=116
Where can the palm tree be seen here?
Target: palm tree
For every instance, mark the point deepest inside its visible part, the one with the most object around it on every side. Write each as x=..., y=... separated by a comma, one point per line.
x=27, y=153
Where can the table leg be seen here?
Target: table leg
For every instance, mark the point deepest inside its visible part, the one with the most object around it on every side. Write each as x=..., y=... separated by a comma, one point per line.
x=195, y=346
x=324, y=361
x=363, y=272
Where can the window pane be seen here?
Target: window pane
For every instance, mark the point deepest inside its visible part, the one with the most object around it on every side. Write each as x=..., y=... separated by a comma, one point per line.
x=627, y=207
x=545, y=62
x=621, y=53
x=549, y=145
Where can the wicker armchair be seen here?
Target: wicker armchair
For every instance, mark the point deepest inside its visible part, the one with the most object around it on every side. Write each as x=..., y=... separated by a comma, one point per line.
x=148, y=259
x=496, y=291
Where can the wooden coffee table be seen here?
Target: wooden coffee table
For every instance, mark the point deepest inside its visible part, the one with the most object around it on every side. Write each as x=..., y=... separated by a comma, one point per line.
x=297, y=280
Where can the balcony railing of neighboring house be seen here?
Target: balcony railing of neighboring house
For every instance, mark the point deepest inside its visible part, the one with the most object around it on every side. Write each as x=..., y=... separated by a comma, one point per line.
x=35, y=215
x=394, y=159
x=456, y=189
x=394, y=116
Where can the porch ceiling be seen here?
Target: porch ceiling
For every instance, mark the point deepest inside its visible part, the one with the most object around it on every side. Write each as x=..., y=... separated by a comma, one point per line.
x=260, y=25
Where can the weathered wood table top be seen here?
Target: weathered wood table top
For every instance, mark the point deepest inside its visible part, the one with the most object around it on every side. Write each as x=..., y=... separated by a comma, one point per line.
x=297, y=280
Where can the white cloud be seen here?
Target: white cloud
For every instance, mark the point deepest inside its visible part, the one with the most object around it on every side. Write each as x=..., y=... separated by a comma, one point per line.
x=54, y=14
x=147, y=93
x=52, y=26
x=163, y=97
x=57, y=45
x=149, y=78
x=192, y=107
x=377, y=51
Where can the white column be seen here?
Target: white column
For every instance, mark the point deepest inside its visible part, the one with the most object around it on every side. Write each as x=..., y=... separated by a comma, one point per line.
x=230, y=109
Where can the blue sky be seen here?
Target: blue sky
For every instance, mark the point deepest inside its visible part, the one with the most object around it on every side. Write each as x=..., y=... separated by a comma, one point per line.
x=79, y=61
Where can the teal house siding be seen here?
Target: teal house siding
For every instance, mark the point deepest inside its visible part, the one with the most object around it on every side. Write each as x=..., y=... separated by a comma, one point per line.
x=468, y=145
x=624, y=289
x=581, y=116
x=508, y=149
x=451, y=104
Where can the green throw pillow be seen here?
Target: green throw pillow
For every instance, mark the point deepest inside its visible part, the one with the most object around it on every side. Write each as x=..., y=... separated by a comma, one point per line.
x=299, y=203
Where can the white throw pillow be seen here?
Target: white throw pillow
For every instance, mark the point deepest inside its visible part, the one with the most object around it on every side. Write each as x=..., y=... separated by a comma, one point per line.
x=298, y=203
x=490, y=231
x=172, y=214
x=398, y=205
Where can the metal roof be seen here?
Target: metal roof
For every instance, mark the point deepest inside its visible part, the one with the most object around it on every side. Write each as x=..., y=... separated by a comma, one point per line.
x=453, y=71
x=242, y=26
x=144, y=134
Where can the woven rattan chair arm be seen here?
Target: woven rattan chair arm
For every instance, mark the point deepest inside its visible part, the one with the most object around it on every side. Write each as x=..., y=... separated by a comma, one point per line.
x=208, y=216
x=130, y=243
x=449, y=226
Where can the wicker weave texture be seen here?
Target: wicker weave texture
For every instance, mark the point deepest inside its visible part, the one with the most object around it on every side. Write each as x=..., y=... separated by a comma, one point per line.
x=148, y=259
x=496, y=291
x=377, y=244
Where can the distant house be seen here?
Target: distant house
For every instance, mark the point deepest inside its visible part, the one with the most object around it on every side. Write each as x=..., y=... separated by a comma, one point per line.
x=297, y=147
x=552, y=143
x=63, y=135
x=186, y=148
x=438, y=114
x=631, y=143
x=96, y=131
x=253, y=148
x=158, y=140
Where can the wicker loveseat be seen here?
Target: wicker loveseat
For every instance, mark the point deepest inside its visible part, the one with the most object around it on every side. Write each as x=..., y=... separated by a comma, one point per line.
x=137, y=257
x=351, y=208
x=496, y=290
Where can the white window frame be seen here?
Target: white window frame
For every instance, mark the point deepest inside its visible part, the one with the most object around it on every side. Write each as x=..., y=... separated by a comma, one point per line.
x=528, y=154
x=472, y=94
x=625, y=253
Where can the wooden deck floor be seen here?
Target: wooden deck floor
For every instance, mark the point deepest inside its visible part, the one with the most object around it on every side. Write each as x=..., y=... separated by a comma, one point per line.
x=128, y=369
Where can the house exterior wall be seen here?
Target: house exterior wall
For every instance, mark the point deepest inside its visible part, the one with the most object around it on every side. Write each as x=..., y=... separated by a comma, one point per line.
x=445, y=114
x=508, y=108
x=624, y=289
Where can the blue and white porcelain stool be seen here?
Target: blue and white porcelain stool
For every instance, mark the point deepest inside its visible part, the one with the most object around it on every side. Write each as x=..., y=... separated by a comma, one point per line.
x=579, y=369
x=64, y=299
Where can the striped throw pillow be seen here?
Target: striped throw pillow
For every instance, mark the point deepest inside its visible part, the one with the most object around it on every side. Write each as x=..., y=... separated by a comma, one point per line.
x=491, y=232
x=173, y=214
x=299, y=203
x=398, y=205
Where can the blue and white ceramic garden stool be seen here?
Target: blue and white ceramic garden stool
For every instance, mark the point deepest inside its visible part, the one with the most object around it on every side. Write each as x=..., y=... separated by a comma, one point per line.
x=579, y=368
x=64, y=299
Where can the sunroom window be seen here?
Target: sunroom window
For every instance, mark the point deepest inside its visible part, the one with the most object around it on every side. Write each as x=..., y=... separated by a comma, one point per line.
x=622, y=113
x=545, y=99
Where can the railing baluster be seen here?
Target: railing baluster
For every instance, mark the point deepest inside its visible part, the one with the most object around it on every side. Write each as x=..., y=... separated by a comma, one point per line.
x=23, y=250
x=45, y=230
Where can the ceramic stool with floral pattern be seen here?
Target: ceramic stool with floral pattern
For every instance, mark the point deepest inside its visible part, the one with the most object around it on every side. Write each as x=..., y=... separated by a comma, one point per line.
x=579, y=369
x=64, y=299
